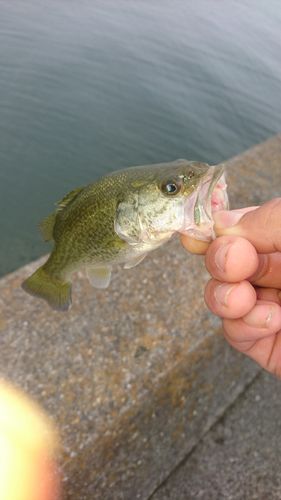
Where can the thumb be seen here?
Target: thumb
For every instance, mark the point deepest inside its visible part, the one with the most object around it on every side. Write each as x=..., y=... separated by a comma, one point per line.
x=261, y=226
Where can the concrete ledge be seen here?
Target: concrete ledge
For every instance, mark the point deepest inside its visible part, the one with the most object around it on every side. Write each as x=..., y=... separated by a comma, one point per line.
x=134, y=375
x=239, y=458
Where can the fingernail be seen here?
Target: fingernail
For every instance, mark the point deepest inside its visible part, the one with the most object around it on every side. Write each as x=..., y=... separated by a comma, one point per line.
x=225, y=219
x=260, y=316
x=220, y=256
x=222, y=293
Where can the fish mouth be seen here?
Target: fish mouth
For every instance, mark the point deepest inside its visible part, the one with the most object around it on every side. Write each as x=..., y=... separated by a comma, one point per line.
x=210, y=196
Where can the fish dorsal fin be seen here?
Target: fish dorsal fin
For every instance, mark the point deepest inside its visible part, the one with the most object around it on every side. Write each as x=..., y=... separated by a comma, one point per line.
x=134, y=262
x=69, y=198
x=99, y=277
x=46, y=227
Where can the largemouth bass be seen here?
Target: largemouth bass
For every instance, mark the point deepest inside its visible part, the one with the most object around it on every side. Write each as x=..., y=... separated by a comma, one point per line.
x=120, y=218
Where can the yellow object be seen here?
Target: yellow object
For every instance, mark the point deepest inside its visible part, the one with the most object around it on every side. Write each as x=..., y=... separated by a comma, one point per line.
x=27, y=467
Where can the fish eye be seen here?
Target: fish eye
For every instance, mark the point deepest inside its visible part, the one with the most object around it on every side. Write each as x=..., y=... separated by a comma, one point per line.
x=170, y=187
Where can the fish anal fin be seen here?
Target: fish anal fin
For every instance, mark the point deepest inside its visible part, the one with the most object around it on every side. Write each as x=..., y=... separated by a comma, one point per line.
x=99, y=277
x=46, y=227
x=69, y=198
x=135, y=262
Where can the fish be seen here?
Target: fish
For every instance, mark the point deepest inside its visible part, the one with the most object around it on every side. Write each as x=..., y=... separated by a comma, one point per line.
x=120, y=218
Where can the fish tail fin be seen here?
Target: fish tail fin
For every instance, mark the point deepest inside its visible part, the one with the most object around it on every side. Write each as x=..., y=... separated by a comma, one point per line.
x=55, y=291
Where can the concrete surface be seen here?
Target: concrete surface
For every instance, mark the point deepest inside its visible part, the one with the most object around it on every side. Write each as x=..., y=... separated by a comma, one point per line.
x=240, y=457
x=135, y=375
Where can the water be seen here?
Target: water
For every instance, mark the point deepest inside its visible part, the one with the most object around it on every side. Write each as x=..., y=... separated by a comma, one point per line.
x=89, y=87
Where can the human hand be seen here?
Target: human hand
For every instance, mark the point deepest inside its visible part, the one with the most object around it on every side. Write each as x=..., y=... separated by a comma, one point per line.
x=245, y=265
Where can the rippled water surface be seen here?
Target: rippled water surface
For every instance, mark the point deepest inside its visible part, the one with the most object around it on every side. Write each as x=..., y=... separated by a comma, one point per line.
x=90, y=87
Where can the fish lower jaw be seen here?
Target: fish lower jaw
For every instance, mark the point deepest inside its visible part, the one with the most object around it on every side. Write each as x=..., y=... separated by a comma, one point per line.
x=210, y=197
x=205, y=232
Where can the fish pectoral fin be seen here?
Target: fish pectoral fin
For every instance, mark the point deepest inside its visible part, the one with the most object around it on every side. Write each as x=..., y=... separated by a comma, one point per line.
x=99, y=277
x=135, y=262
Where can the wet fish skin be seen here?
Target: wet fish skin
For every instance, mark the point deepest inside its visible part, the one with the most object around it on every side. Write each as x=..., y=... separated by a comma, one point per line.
x=117, y=218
